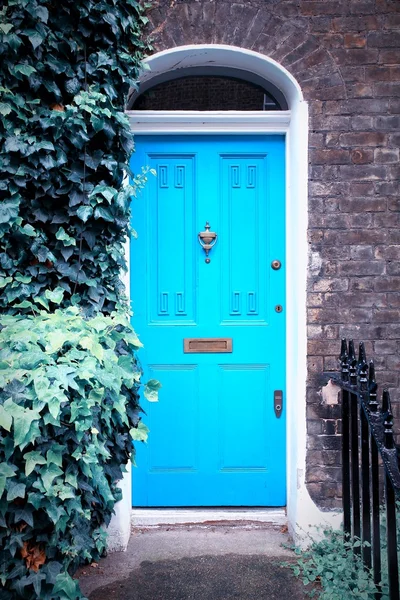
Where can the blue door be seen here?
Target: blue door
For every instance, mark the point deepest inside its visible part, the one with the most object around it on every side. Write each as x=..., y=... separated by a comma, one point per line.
x=213, y=326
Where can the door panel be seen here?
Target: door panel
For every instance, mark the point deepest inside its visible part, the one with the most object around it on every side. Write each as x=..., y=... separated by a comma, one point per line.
x=214, y=437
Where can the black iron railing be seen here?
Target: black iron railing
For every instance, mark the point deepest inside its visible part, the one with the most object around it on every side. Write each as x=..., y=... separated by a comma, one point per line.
x=371, y=475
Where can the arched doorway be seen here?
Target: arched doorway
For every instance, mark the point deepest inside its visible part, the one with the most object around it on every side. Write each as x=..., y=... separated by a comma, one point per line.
x=291, y=123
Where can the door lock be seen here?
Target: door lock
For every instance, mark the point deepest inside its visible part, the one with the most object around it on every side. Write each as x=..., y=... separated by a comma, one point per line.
x=278, y=402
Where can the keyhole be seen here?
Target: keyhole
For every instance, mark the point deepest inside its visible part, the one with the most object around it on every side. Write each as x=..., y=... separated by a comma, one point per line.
x=279, y=308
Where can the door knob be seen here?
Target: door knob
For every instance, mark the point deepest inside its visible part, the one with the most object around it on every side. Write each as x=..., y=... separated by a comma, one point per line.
x=207, y=240
x=276, y=265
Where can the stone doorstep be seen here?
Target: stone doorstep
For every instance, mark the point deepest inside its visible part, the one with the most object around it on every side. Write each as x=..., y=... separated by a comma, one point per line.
x=235, y=517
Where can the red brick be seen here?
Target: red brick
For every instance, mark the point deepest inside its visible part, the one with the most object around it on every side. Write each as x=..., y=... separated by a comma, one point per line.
x=360, y=57
x=354, y=40
x=330, y=157
x=389, y=57
x=327, y=7
x=359, y=23
x=368, y=138
x=362, y=156
x=377, y=73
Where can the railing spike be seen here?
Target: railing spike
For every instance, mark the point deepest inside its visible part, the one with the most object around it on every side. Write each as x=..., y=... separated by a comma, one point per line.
x=343, y=349
x=362, y=356
x=372, y=388
x=352, y=363
x=388, y=420
x=362, y=368
x=344, y=361
x=385, y=401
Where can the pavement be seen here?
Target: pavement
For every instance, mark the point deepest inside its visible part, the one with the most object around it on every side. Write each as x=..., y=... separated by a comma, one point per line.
x=221, y=560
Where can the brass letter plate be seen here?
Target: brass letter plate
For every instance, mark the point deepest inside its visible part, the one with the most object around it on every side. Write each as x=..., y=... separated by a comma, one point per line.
x=203, y=345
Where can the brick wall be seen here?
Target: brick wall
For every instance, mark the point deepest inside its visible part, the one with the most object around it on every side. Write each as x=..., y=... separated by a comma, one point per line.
x=345, y=54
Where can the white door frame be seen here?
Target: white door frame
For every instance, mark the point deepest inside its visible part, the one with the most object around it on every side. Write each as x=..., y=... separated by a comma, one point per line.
x=301, y=510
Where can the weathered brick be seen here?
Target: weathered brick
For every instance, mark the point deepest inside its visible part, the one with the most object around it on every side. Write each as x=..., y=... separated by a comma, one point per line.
x=357, y=56
x=367, y=138
x=387, y=284
x=362, y=172
x=390, y=252
x=389, y=57
x=377, y=74
x=326, y=7
x=363, y=299
x=387, y=89
x=357, y=106
x=356, y=23
x=362, y=268
x=355, y=40
x=393, y=268
x=387, y=6
x=360, y=90
x=362, y=156
x=363, y=7
x=331, y=285
x=362, y=253
x=330, y=157
x=359, y=205
x=362, y=123
x=383, y=39
x=387, y=188
x=386, y=155
x=355, y=236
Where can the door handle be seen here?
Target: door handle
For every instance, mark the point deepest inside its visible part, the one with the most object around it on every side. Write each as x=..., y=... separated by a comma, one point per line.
x=278, y=402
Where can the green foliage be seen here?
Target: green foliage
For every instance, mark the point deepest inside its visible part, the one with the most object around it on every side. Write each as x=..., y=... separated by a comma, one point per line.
x=68, y=413
x=339, y=572
x=65, y=142
x=69, y=376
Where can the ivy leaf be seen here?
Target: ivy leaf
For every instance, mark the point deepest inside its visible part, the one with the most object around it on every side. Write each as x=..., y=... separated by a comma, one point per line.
x=24, y=69
x=63, y=236
x=42, y=13
x=84, y=212
x=6, y=27
x=8, y=210
x=15, y=490
x=54, y=456
x=140, y=433
x=5, y=108
x=151, y=390
x=22, y=419
x=49, y=474
x=66, y=587
x=5, y=419
x=56, y=296
x=31, y=460
x=90, y=343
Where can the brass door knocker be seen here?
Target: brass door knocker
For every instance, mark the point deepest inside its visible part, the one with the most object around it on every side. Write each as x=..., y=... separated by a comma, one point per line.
x=207, y=240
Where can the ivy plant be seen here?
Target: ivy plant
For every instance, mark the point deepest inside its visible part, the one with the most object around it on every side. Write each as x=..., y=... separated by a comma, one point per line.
x=65, y=142
x=69, y=374
x=69, y=412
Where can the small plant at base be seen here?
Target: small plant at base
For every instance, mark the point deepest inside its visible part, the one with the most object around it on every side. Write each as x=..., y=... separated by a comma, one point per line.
x=331, y=563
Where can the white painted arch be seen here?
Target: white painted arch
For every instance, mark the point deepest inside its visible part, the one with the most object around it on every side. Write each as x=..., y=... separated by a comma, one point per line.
x=301, y=510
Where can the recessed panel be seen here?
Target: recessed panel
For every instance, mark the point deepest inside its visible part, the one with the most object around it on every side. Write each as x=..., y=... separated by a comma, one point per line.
x=173, y=421
x=169, y=236
x=243, y=392
x=244, y=241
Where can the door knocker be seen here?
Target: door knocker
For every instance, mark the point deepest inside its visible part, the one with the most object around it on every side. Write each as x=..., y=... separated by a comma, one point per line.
x=207, y=240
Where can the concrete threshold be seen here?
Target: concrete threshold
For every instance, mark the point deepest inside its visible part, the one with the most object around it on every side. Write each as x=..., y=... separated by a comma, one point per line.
x=159, y=517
